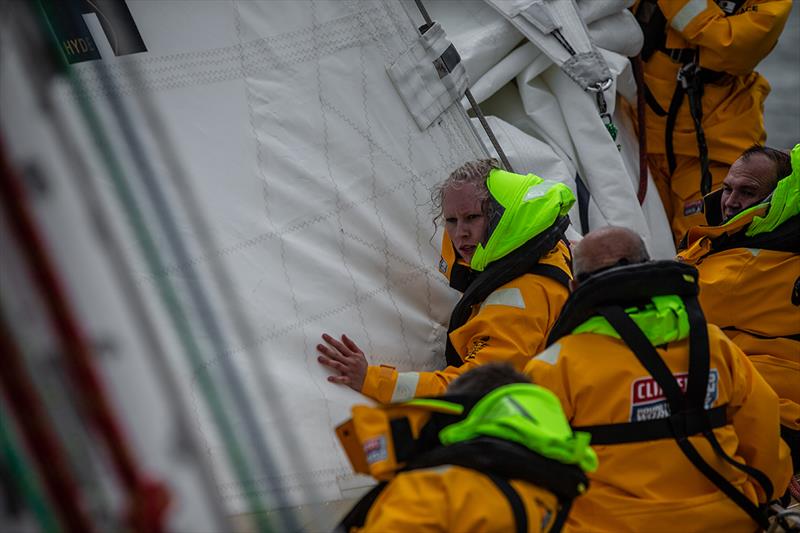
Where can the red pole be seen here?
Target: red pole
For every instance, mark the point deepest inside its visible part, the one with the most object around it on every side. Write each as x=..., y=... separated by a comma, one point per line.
x=39, y=436
x=147, y=499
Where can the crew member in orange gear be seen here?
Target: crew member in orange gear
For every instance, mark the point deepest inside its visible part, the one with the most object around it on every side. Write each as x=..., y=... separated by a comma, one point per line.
x=750, y=271
x=685, y=428
x=504, y=248
x=699, y=124
x=495, y=454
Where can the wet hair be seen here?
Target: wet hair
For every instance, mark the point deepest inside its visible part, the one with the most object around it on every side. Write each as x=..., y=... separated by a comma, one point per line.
x=483, y=379
x=781, y=160
x=475, y=172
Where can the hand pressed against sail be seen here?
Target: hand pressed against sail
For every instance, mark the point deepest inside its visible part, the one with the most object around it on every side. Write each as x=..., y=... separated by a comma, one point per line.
x=346, y=358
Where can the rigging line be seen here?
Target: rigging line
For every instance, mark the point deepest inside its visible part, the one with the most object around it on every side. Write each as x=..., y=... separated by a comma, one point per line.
x=147, y=245
x=147, y=498
x=165, y=373
x=235, y=386
x=40, y=77
x=473, y=103
x=19, y=390
x=243, y=327
x=20, y=474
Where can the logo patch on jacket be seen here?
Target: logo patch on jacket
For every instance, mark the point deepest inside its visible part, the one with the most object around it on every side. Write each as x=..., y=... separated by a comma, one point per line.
x=477, y=345
x=690, y=208
x=375, y=449
x=442, y=265
x=649, y=403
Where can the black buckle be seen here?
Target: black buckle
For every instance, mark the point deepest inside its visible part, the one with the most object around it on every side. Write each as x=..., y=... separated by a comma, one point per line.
x=689, y=422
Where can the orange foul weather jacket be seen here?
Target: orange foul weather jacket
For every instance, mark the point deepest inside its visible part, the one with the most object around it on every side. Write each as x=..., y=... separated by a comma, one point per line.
x=511, y=323
x=729, y=47
x=748, y=293
x=453, y=498
x=639, y=485
x=509, y=326
x=750, y=286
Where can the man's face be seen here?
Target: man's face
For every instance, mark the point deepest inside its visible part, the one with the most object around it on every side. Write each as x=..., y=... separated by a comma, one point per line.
x=747, y=183
x=462, y=208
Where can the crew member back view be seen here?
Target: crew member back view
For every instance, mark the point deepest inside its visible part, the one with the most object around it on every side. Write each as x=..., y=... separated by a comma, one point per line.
x=685, y=429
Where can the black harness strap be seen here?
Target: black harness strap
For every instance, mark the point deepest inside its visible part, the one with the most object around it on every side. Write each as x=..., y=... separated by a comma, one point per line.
x=358, y=514
x=672, y=115
x=501, y=461
x=517, y=507
x=692, y=403
x=660, y=428
x=795, y=337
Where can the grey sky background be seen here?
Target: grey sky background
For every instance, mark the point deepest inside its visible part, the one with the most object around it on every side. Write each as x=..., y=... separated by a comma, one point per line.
x=782, y=70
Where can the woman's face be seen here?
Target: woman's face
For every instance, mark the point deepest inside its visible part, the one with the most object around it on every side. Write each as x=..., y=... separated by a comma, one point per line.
x=462, y=208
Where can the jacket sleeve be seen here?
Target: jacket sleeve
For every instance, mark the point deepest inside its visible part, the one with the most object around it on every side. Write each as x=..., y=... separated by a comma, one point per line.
x=757, y=421
x=733, y=44
x=510, y=326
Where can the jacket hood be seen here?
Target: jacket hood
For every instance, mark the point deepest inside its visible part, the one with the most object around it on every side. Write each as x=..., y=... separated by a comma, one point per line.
x=526, y=206
x=528, y=415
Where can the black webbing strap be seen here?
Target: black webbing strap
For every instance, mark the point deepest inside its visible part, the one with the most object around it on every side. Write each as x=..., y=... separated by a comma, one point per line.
x=653, y=103
x=791, y=337
x=517, y=507
x=681, y=405
x=660, y=428
x=561, y=517
x=695, y=93
x=358, y=514
x=699, y=358
x=672, y=115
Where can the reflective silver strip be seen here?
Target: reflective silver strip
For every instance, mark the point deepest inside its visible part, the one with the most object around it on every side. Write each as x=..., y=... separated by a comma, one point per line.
x=688, y=13
x=550, y=355
x=510, y=297
x=538, y=190
x=405, y=387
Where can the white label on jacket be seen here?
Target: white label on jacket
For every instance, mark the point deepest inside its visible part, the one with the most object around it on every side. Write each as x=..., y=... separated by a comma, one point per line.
x=649, y=403
x=510, y=297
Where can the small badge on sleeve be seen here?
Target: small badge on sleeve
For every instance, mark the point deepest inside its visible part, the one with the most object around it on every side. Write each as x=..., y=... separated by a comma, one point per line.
x=692, y=208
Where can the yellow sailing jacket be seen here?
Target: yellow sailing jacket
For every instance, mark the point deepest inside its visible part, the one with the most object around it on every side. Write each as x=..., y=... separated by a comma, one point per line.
x=732, y=105
x=640, y=485
x=453, y=498
x=511, y=325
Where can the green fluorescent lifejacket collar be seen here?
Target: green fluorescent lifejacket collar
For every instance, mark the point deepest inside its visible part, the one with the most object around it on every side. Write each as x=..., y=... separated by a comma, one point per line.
x=785, y=201
x=529, y=415
x=440, y=406
x=531, y=205
x=663, y=320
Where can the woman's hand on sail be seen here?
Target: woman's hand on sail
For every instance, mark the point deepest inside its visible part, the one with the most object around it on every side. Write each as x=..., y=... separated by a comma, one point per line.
x=346, y=358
